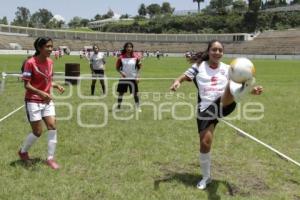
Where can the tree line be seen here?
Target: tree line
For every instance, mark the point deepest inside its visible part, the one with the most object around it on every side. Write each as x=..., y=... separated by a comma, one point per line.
x=220, y=16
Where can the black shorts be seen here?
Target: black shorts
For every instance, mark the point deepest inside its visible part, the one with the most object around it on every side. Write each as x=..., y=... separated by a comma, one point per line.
x=125, y=84
x=211, y=114
x=98, y=72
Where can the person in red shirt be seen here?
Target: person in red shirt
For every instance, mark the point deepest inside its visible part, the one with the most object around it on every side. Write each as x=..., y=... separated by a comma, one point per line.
x=128, y=65
x=37, y=76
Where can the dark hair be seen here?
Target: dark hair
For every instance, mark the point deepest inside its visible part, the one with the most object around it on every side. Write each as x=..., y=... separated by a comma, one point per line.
x=201, y=56
x=95, y=45
x=40, y=42
x=123, y=51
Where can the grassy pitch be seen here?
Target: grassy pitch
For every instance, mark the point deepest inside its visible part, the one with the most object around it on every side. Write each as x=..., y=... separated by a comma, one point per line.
x=153, y=154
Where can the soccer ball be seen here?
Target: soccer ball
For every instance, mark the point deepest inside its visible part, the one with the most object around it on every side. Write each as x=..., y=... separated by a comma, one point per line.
x=241, y=70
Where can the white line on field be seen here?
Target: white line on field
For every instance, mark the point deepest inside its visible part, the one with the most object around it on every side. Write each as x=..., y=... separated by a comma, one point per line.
x=260, y=142
x=11, y=113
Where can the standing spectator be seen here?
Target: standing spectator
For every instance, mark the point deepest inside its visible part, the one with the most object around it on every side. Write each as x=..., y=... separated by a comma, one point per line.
x=97, y=65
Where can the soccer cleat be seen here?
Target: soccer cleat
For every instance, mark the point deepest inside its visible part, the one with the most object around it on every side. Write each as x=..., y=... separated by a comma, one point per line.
x=203, y=183
x=138, y=109
x=23, y=156
x=51, y=163
x=238, y=90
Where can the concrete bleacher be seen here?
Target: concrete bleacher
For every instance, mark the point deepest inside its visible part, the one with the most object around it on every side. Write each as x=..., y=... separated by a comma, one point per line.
x=285, y=42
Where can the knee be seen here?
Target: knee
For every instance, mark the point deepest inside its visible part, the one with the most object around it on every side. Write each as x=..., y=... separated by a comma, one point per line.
x=51, y=126
x=205, y=145
x=37, y=132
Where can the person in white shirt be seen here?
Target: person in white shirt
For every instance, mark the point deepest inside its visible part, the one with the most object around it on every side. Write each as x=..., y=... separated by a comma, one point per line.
x=217, y=96
x=97, y=65
x=128, y=65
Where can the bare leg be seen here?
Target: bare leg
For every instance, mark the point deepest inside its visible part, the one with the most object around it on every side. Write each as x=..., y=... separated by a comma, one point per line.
x=227, y=98
x=102, y=85
x=93, y=86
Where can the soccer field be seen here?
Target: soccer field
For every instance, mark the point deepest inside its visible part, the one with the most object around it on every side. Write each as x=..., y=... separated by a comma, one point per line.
x=153, y=154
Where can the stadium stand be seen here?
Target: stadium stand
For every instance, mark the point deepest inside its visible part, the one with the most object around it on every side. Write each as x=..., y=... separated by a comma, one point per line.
x=286, y=42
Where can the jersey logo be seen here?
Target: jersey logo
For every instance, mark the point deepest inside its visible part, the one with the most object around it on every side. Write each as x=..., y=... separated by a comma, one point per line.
x=214, y=81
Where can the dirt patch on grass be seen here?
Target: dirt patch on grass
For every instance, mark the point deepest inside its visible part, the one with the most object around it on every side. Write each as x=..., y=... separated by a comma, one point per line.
x=249, y=183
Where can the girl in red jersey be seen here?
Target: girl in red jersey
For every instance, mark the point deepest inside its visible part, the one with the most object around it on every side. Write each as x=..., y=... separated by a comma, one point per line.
x=128, y=65
x=217, y=96
x=37, y=76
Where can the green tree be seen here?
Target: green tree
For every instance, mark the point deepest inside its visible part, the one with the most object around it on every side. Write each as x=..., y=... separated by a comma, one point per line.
x=198, y=2
x=126, y=16
x=166, y=8
x=295, y=2
x=282, y=3
x=54, y=23
x=41, y=18
x=219, y=5
x=84, y=22
x=153, y=9
x=98, y=17
x=109, y=14
x=251, y=17
x=239, y=6
x=75, y=22
x=22, y=17
x=142, y=10
x=4, y=20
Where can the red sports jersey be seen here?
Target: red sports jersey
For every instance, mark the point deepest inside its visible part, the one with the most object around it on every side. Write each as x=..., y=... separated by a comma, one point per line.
x=39, y=74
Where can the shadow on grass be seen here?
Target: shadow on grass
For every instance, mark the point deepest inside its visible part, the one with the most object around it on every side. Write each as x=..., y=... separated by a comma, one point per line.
x=191, y=180
x=27, y=164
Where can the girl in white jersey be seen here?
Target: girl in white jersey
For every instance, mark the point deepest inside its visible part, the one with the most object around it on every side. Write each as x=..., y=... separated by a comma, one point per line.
x=128, y=65
x=97, y=65
x=217, y=97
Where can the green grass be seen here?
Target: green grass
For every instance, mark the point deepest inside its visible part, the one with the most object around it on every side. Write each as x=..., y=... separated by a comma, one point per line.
x=148, y=158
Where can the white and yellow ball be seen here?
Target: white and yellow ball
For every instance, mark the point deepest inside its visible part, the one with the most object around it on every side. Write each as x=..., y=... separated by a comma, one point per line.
x=241, y=70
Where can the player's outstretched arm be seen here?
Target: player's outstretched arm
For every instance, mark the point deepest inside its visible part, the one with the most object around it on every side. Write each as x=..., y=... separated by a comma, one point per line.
x=176, y=84
x=257, y=90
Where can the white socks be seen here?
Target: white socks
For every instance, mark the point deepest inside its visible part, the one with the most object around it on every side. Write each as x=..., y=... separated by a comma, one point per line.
x=205, y=164
x=238, y=90
x=52, y=140
x=29, y=141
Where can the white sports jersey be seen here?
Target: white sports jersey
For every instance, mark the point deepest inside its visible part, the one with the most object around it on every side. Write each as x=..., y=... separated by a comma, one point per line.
x=98, y=61
x=211, y=83
x=129, y=66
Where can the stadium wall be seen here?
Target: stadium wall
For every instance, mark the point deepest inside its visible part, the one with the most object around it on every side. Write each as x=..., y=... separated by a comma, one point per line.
x=77, y=53
x=134, y=37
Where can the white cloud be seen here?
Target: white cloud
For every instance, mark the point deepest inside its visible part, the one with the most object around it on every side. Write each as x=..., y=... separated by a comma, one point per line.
x=59, y=18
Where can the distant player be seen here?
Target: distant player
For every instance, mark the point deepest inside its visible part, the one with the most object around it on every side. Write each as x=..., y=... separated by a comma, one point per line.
x=56, y=54
x=97, y=65
x=216, y=97
x=157, y=54
x=37, y=76
x=128, y=65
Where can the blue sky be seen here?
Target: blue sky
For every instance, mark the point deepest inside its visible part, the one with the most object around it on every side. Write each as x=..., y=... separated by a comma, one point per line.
x=87, y=8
